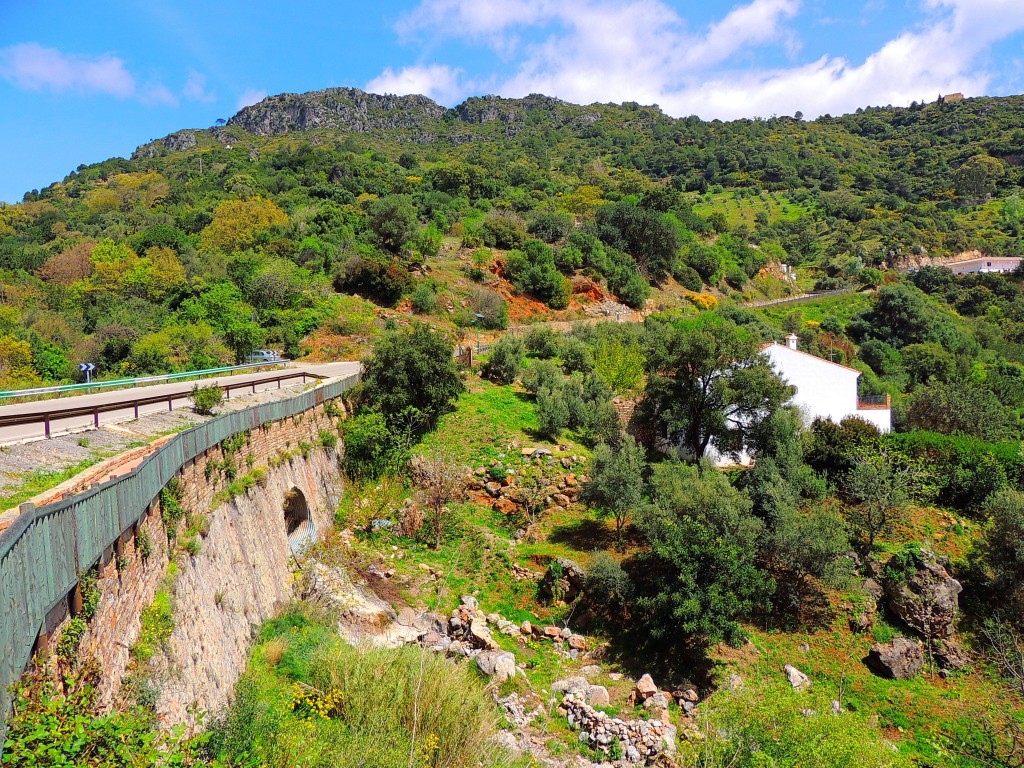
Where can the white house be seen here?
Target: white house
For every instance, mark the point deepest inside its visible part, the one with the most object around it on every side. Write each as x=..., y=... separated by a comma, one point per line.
x=825, y=389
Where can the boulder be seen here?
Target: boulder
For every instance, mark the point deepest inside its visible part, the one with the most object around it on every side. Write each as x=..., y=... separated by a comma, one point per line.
x=578, y=642
x=952, y=656
x=504, y=506
x=480, y=636
x=797, y=679
x=499, y=665
x=563, y=580
x=921, y=592
x=597, y=696
x=577, y=685
x=900, y=660
x=552, y=633
x=644, y=689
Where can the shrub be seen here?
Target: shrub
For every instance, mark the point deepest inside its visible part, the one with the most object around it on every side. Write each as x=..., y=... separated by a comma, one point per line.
x=493, y=308
x=541, y=374
x=607, y=583
x=206, y=399
x=736, y=277
x=552, y=412
x=506, y=360
x=543, y=342
x=328, y=439
x=424, y=299
x=687, y=277
x=371, y=447
x=71, y=638
x=576, y=356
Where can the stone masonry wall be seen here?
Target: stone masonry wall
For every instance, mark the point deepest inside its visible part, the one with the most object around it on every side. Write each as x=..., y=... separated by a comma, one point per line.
x=239, y=577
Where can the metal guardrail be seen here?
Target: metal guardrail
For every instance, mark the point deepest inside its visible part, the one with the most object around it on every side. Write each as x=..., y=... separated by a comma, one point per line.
x=45, y=549
x=165, y=377
x=59, y=413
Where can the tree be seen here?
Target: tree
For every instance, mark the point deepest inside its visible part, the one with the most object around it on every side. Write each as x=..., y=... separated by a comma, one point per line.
x=879, y=492
x=960, y=407
x=506, y=360
x=1003, y=547
x=708, y=381
x=239, y=224
x=393, y=220
x=616, y=485
x=411, y=374
x=808, y=545
x=976, y=178
x=440, y=483
x=703, y=541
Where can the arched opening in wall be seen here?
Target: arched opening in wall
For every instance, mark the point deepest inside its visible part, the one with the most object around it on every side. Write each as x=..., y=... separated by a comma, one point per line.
x=297, y=520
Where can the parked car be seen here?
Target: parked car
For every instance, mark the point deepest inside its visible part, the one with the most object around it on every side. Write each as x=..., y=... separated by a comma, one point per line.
x=263, y=356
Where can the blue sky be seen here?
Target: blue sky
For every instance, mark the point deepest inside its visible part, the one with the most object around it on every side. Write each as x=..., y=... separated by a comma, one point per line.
x=83, y=82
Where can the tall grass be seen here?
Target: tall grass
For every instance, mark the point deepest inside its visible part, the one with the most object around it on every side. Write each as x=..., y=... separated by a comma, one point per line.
x=380, y=695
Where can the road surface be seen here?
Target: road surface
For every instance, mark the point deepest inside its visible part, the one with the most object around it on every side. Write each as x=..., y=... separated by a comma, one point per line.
x=176, y=392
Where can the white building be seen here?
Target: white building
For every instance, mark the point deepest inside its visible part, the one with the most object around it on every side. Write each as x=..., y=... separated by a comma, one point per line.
x=825, y=389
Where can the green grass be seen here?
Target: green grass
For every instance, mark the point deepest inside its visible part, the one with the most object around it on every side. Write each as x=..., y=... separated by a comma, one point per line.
x=743, y=210
x=842, y=307
x=308, y=698
x=40, y=480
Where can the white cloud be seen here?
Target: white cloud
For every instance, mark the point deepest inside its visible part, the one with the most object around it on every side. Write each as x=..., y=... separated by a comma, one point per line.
x=249, y=97
x=441, y=83
x=157, y=95
x=643, y=50
x=32, y=67
x=195, y=88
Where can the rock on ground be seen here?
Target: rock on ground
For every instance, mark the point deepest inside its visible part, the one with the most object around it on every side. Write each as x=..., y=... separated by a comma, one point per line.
x=901, y=659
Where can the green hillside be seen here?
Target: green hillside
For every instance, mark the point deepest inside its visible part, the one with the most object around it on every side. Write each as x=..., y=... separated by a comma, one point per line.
x=209, y=243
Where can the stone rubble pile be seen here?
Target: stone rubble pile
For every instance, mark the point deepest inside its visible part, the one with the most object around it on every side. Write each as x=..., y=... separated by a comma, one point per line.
x=638, y=740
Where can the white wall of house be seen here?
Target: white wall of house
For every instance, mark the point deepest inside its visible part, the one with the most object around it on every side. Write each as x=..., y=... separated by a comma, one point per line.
x=823, y=389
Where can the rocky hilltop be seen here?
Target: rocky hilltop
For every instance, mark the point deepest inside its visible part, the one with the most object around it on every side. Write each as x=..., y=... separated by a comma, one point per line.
x=347, y=109
x=413, y=119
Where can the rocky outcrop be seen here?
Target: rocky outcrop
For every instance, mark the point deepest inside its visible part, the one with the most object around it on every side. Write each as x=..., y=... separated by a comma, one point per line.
x=901, y=659
x=864, y=617
x=347, y=109
x=175, y=142
x=563, y=581
x=926, y=597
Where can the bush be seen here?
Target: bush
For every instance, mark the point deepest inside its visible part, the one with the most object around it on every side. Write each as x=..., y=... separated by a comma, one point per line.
x=424, y=299
x=736, y=277
x=206, y=399
x=552, y=412
x=371, y=448
x=541, y=374
x=576, y=356
x=687, y=277
x=493, y=308
x=377, y=278
x=543, y=342
x=607, y=583
x=505, y=362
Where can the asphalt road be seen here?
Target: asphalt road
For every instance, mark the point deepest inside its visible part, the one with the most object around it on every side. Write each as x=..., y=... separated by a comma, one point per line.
x=176, y=392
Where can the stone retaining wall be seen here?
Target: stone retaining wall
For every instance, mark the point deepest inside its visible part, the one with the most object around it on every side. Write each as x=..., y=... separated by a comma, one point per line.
x=240, y=576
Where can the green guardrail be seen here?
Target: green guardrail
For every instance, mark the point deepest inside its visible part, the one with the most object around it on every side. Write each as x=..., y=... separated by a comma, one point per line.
x=45, y=549
x=166, y=377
